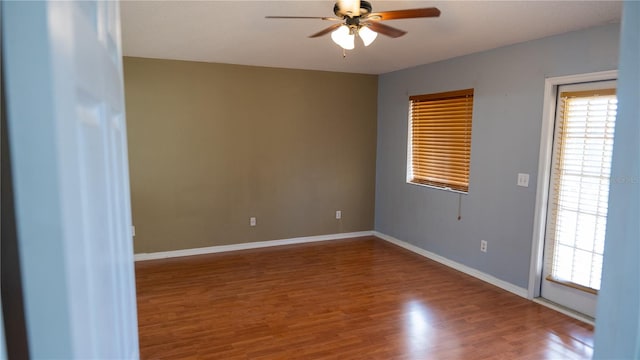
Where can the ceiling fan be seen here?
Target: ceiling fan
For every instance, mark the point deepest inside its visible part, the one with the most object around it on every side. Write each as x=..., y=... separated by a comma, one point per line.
x=355, y=18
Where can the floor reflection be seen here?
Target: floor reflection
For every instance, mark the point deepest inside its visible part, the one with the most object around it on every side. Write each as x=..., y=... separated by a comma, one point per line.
x=421, y=332
x=566, y=347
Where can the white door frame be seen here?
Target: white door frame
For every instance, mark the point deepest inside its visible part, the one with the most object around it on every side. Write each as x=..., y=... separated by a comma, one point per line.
x=544, y=168
x=66, y=121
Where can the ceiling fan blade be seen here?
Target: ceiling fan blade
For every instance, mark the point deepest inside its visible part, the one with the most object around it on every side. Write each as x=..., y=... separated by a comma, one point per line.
x=304, y=17
x=385, y=29
x=325, y=31
x=405, y=14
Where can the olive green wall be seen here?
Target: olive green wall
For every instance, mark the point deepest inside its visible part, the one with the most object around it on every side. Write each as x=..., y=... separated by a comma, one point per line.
x=211, y=145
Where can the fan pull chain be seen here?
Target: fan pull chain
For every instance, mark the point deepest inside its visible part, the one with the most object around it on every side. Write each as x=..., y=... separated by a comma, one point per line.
x=344, y=53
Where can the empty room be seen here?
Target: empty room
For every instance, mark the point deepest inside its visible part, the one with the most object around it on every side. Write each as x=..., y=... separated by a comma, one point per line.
x=320, y=180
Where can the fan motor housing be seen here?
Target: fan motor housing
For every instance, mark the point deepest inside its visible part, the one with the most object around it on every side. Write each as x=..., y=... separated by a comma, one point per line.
x=365, y=8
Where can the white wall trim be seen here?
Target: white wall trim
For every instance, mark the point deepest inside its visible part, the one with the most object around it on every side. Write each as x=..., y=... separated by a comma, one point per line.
x=564, y=310
x=249, y=245
x=544, y=168
x=455, y=265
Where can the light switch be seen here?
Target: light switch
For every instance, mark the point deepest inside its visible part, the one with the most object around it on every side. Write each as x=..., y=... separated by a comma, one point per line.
x=523, y=180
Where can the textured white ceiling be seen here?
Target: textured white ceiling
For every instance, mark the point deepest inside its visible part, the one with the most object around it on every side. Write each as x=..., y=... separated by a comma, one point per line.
x=236, y=32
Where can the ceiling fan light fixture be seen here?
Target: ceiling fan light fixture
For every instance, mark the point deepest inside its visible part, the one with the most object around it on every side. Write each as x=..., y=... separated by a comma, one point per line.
x=367, y=35
x=357, y=19
x=343, y=37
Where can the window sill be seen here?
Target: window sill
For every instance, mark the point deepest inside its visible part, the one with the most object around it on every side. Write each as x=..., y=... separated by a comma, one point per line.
x=447, y=189
x=572, y=285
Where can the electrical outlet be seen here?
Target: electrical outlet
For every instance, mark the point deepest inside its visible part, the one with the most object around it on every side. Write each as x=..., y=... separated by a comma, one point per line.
x=338, y=214
x=523, y=180
x=252, y=221
x=483, y=245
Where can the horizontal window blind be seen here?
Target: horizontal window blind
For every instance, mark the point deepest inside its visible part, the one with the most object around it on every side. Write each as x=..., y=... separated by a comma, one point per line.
x=580, y=185
x=440, y=146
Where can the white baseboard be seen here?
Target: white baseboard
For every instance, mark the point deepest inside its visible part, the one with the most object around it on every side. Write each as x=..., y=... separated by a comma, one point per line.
x=249, y=245
x=561, y=309
x=455, y=265
x=308, y=239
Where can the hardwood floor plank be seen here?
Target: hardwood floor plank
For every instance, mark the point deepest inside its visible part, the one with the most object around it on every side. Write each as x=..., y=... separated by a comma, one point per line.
x=350, y=299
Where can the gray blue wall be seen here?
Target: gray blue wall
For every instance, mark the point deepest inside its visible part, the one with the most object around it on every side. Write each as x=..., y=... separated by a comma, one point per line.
x=509, y=88
x=618, y=317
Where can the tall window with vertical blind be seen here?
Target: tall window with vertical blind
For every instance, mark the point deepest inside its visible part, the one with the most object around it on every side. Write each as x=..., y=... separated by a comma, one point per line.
x=440, y=140
x=580, y=178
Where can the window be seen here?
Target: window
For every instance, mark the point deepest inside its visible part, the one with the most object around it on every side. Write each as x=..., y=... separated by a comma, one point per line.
x=440, y=140
x=580, y=185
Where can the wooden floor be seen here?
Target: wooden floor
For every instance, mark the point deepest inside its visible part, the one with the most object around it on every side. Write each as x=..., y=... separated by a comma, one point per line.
x=346, y=299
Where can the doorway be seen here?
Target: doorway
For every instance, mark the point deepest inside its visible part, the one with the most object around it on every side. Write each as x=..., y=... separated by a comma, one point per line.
x=571, y=209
